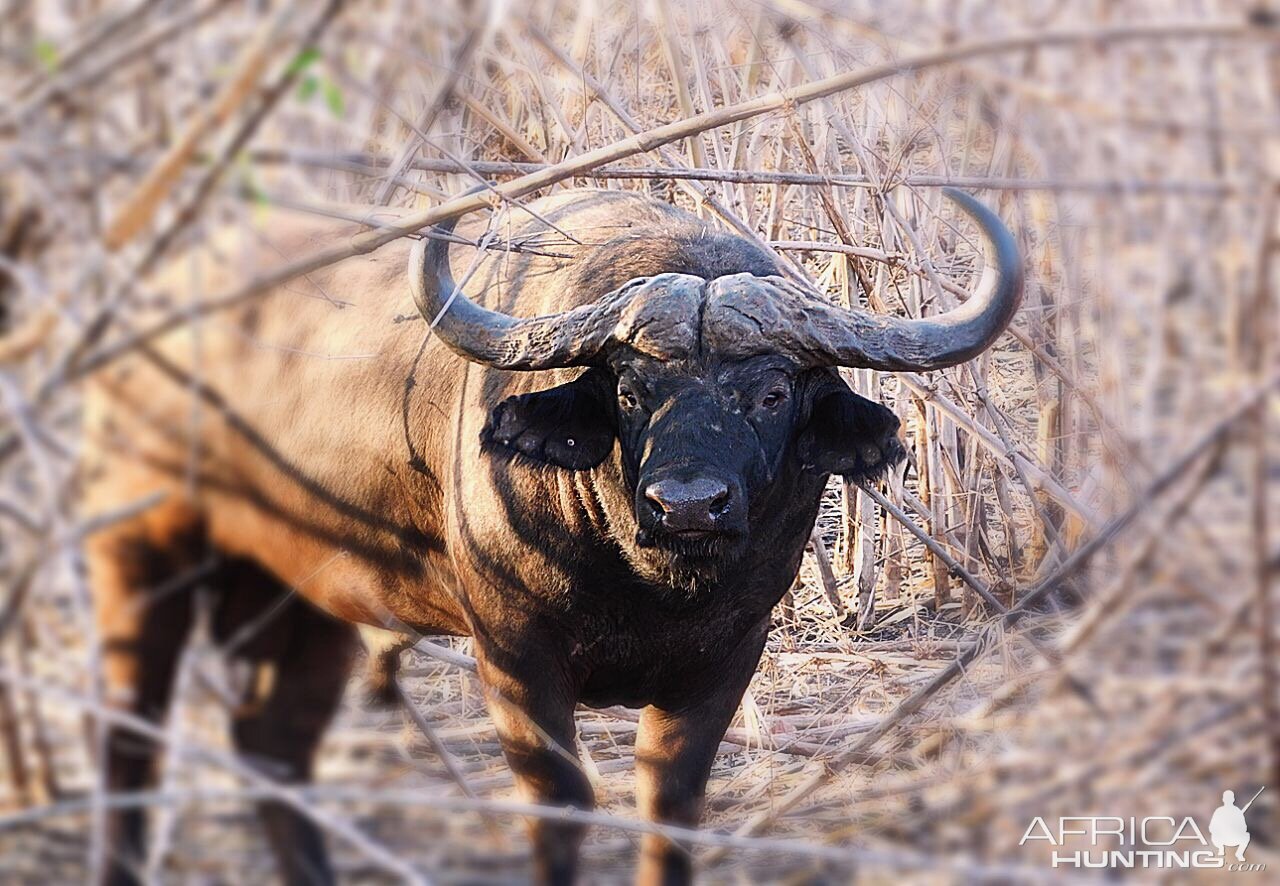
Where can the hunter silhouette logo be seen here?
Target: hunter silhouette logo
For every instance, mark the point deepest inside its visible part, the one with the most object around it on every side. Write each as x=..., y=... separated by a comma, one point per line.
x=1156, y=841
x=1228, y=827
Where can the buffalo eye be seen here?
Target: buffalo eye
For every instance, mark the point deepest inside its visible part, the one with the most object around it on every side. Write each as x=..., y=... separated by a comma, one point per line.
x=774, y=399
x=628, y=400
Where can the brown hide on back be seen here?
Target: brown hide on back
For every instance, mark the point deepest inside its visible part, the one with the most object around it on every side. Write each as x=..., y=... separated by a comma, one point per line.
x=312, y=431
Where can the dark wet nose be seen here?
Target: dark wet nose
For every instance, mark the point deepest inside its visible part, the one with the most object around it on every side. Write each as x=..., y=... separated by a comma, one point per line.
x=695, y=505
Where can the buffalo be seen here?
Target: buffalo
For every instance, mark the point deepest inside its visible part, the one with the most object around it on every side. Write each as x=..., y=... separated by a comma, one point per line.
x=602, y=463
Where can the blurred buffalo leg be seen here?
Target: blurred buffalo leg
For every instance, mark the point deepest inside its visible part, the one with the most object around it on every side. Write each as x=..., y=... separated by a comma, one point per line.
x=143, y=570
x=297, y=660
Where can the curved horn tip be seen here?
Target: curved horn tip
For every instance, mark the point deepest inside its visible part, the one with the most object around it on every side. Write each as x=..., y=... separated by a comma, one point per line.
x=975, y=209
x=992, y=226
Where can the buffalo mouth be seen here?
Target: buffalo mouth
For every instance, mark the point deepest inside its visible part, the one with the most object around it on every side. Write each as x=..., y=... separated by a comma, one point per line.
x=694, y=546
x=690, y=565
x=693, y=534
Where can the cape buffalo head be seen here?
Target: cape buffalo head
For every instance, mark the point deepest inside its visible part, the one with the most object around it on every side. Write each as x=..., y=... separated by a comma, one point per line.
x=720, y=393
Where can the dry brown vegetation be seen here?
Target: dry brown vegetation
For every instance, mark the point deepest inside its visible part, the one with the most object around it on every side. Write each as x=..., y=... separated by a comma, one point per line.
x=1103, y=472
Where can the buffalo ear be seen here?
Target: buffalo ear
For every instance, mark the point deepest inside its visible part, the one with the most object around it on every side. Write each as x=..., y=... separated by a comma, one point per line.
x=570, y=426
x=850, y=435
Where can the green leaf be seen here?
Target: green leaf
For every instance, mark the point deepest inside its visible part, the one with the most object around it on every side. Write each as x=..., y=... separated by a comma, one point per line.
x=47, y=55
x=333, y=98
x=255, y=194
x=307, y=88
x=303, y=60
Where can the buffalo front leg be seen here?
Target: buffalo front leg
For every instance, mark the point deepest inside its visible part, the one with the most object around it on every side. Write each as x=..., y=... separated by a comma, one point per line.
x=675, y=748
x=532, y=707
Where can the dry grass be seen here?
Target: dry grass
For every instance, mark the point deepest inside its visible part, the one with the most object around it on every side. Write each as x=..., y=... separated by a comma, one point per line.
x=1137, y=166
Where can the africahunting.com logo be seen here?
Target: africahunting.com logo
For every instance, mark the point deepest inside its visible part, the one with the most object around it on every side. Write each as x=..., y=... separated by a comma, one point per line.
x=1159, y=841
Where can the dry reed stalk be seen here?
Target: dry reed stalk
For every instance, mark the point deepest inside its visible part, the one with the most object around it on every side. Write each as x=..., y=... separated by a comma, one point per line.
x=18, y=344
x=828, y=578
x=358, y=161
x=136, y=213
x=445, y=92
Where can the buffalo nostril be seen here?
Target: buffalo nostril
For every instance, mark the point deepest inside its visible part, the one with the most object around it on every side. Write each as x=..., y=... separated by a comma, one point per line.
x=695, y=505
x=653, y=494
